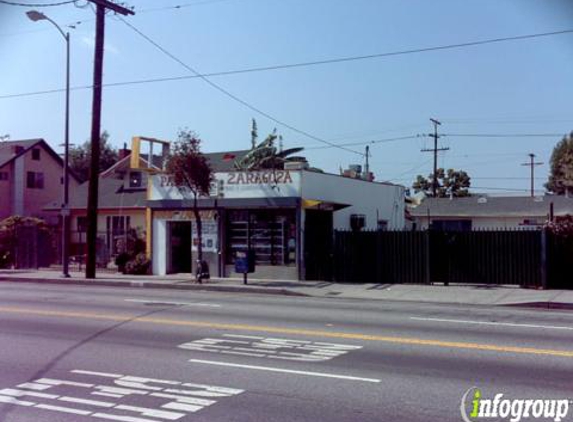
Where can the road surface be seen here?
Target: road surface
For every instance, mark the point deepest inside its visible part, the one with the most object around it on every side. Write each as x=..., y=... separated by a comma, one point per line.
x=87, y=354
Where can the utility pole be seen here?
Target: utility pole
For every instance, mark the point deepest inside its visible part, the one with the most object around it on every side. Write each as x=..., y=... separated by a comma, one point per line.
x=93, y=187
x=532, y=165
x=435, y=151
x=367, y=164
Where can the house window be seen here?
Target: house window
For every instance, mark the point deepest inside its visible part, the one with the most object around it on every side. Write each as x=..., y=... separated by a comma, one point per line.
x=116, y=231
x=35, y=180
x=135, y=179
x=36, y=154
x=3, y=175
x=82, y=224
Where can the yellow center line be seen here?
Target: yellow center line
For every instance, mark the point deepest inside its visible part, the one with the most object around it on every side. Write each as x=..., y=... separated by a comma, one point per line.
x=295, y=331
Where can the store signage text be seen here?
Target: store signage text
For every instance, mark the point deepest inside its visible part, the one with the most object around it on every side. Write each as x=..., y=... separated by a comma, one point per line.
x=259, y=177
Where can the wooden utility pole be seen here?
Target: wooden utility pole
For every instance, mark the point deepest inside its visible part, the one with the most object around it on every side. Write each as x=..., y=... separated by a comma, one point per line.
x=435, y=151
x=532, y=164
x=93, y=187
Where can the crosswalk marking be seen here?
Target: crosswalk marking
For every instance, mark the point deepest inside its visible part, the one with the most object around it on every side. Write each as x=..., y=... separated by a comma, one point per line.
x=172, y=400
x=271, y=348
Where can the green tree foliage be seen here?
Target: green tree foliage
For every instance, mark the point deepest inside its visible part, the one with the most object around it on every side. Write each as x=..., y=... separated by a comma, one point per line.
x=267, y=155
x=561, y=173
x=80, y=157
x=450, y=182
x=191, y=173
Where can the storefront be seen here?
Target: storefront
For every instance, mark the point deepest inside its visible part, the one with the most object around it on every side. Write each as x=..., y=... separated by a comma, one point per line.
x=286, y=217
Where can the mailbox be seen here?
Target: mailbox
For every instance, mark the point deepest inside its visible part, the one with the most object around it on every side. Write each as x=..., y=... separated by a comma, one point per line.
x=245, y=262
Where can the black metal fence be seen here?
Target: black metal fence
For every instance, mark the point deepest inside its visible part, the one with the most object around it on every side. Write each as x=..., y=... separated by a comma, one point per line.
x=525, y=258
x=32, y=247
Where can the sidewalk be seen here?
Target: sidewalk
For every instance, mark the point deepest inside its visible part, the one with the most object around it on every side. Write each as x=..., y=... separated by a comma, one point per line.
x=453, y=294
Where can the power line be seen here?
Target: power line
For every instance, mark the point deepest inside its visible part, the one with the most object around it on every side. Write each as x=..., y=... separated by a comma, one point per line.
x=499, y=188
x=13, y=3
x=232, y=96
x=304, y=64
x=503, y=135
x=179, y=6
x=409, y=171
x=401, y=138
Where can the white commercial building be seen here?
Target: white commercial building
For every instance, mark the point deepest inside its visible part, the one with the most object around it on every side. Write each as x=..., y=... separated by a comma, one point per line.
x=286, y=217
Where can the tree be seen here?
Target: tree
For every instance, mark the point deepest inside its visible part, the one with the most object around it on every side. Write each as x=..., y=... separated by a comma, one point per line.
x=561, y=173
x=80, y=157
x=191, y=173
x=266, y=155
x=450, y=182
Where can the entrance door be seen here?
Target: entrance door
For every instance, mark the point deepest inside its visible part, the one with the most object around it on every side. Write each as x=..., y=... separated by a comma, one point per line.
x=318, y=245
x=180, y=244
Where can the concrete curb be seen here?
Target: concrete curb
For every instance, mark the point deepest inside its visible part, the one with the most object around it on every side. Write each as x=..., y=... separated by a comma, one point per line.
x=542, y=305
x=153, y=285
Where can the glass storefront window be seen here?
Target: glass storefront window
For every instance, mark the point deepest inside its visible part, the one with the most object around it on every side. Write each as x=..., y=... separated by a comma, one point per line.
x=270, y=233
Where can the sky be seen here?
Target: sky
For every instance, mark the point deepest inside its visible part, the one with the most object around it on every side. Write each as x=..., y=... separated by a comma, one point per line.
x=520, y=89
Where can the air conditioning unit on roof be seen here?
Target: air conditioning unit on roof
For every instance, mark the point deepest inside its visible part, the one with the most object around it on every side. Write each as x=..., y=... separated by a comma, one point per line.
x=296, y=165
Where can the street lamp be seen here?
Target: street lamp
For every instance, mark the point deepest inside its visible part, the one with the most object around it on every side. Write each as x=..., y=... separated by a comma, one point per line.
x=36, y=16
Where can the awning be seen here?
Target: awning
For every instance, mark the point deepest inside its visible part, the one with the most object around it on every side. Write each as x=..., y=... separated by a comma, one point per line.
x=315, y=204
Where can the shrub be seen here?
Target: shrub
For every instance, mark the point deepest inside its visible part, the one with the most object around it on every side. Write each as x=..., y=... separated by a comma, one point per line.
x=140, y=265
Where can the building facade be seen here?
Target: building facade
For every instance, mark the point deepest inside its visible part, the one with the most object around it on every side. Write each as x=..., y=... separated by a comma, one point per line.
x=31, y=175
x=121, y=208
x=286, y=217
x=489, y=212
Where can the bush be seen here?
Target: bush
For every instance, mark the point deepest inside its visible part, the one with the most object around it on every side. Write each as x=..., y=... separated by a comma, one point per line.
x=562, y=226
x=5, y=258
x=140, y=265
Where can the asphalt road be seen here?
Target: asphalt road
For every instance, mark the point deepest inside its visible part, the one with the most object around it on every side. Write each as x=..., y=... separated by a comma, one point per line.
x=141, y=355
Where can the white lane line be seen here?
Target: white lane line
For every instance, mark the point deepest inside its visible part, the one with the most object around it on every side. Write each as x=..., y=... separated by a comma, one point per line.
x=256, y=355
x=502, y=324
x=96, y=374
x=115, y=396
x=13, y=400
x=122, y=418
x=286, y=371
x=96, y=403
x=167, y=302
x=63, y=409
x=243, y=336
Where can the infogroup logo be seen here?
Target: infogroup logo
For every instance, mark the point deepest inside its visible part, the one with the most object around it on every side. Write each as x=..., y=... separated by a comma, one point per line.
x=474, y=407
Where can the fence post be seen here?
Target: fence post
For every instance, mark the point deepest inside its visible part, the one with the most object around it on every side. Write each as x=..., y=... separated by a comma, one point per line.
x=427, y=257
x=544, y=258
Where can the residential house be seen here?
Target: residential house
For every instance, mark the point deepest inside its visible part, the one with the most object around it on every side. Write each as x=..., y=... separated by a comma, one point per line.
x=121, y=206
x=489, y=212
x=121, y=202
x=31, y=174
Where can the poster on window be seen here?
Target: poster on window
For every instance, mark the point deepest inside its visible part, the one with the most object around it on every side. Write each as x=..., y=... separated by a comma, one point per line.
x=209, y=236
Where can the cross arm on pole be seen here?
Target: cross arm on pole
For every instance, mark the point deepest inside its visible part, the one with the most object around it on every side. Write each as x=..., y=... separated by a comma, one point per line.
x=114, y=6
